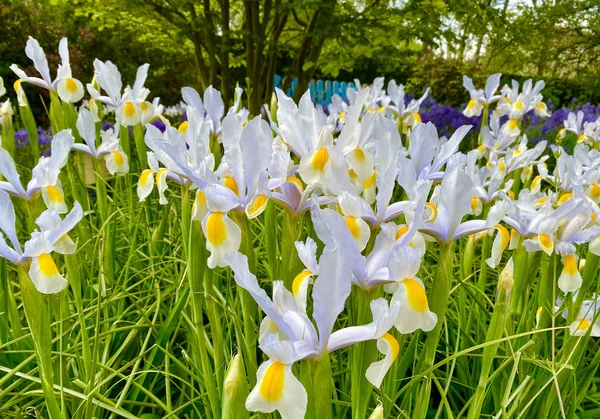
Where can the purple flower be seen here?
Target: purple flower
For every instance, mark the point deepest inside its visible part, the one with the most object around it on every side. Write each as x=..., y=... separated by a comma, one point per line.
x=106, y=126
x=21, y=138
x=44, y=138
x=158, y=123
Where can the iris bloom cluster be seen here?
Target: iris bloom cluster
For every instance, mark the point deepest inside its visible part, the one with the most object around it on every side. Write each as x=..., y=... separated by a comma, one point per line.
x=379, y=188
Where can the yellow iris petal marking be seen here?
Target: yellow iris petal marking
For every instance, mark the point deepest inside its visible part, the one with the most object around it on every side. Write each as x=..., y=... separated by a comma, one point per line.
x=54, y=194
x=401, y=231
x=144, y=106
x=481, y=148
x=570, y=265
x=417, y=117
x=341, y=116
x=295, y=181
x=370, y=180
x=47, y=265
x=539, y=310
x=394, y=346
x=201, y=199
x=145, y=176
x=119, y=159
x=352, y=174
x=259, y=201
x=17, y=85
x=512, y=124
x=129, y=109
x=160, y=173
x=216, y=231
x=471, y=104
x=229, y=182
x=417, y=298
x=583, y=325
x=474, y=203
x=70, y=85
x=183, y=127
x=545, y=241
x=434, y=211
x=359, y=155
x=595, y=191
x=320, y=159
x=514, y=234
x=565, y=197
x=504, y=233
x=511, y=194
x=298, y=280
x=352, y=224
x=519, y=105
x=271, y=386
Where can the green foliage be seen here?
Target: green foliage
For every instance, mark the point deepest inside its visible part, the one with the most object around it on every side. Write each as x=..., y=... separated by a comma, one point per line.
x=422, y=43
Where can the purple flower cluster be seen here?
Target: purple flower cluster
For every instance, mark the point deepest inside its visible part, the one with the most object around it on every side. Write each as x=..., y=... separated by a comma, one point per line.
x=44, y=137
x=446, y=118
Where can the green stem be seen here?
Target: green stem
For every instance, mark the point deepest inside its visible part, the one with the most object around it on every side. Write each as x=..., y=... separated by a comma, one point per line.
x=290, y=233
x=520, y=257
x=271, y=239
x=38, y=318
x=195, y=271
x=73, y=274
x=321, y=378
x=494, y=333
x=361, y=356
x=140, y=145
x=439, y=304
x=249, y=307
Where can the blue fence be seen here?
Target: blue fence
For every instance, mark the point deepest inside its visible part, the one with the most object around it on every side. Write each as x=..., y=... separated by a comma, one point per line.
x=321, y=91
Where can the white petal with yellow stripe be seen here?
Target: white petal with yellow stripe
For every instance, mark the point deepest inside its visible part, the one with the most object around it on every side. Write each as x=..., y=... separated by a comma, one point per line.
x=387, y=345
x=570, y=279
x=360, y=231
x=128, y=114
x=277, y=389
x=300, y=287
x=256, y=206
x=43, y=271
x=45, y=275
x=501, y=242
x=580, y=327
x=65, y=245
x=313, y=166
x=145, y=184
x=161, y=185
x=200, y=208
x=414, y=310
x=70, y=90
x=54, y=198
x=117, y=162
x=362, y=162
x=222, y=236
